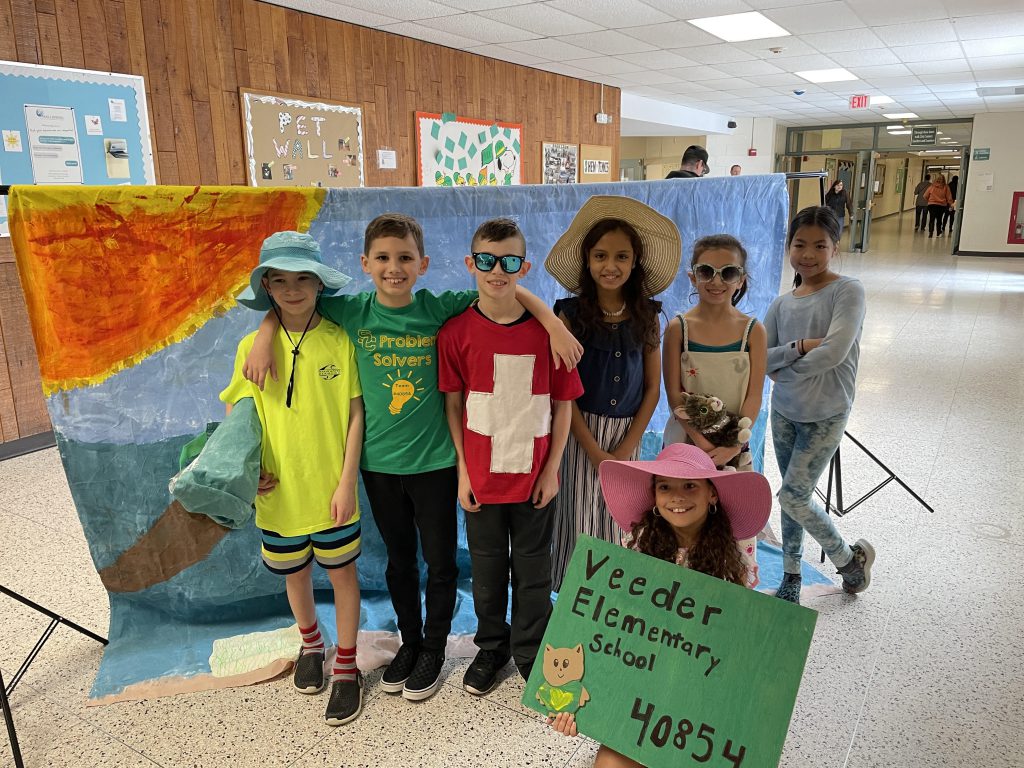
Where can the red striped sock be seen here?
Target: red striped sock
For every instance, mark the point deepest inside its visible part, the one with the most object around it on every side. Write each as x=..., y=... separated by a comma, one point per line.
x=344, y=667
x=312, y=640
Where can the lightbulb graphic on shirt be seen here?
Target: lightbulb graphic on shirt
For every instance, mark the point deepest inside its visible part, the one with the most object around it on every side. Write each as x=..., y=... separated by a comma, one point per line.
x=403, y=389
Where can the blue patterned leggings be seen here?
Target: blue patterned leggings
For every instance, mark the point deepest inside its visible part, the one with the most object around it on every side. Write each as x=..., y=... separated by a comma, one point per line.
x=803, y=450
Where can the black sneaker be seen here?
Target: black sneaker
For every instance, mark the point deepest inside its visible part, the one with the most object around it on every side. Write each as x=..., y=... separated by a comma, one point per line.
x=425, y=677
x=857, y=573
x=789, y=589
x=400, y=668
x=482, y=674
x=309, y=672
x=346, y=701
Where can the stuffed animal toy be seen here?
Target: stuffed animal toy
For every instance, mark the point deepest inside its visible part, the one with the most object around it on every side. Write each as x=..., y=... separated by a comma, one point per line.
x=708, y=415
x=562, y=689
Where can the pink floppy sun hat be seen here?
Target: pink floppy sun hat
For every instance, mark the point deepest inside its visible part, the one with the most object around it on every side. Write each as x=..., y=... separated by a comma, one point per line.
x=745, y=497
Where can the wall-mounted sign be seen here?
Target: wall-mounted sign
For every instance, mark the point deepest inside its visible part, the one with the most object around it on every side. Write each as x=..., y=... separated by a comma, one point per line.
x=291, y=142
x=922, y=135
x=982, y=153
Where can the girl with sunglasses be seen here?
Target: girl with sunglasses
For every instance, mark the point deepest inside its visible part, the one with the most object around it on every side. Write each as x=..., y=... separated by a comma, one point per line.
x=615, y=256
x=714, y=349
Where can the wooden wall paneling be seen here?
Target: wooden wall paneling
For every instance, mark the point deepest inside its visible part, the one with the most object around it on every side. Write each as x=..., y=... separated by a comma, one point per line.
x=278, y=45
x=20, y=351
x=182, y=114
x=46, y=6
x=198, y=57
x=8, y=38
x=297, y=70
x=23, y=26
x=49, y=39
x=8, y=416
x=323, y=64
x=216, y=41
x=138, y=65
x=233, y=134
x=116, y=28
x=158, y=94
x=95, y=52
x=252, y=46
x=69, y=25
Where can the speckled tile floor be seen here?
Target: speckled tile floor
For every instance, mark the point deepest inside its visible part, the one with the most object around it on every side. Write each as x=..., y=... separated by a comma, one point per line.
x=925, y=669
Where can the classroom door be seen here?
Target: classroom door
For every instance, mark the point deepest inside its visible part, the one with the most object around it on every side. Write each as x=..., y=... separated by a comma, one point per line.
x=862, y=192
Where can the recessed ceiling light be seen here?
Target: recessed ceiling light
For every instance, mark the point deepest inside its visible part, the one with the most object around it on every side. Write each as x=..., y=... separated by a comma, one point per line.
x=897, y=115
x=828, y=76
x=737, y=27
x=877, y=101
x=900, y=133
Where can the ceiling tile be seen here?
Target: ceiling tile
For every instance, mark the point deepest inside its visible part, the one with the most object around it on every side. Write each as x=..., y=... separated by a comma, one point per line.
x=804, y=63
x=727, y=84
x=947, y=78
x=998, y=47
x=674, y=34
x=879, y=12
x=885, y=82
x=648, y=77
x=613, y=14
x=887, y=70
x=541, y=19
x=699, y=9
x=989, y=26
x=808, y=19
x=608, y=42
x=935, y=67
x=624, y=81
x=507, y=54
x=483, y=5
x=607, y=65
x=571, y=71
x=870, y=57
x=342, y=12
x=755, y=67
x=687, y=87
x=696, y=74
x=474, y=27
x=658, y=59
x=419, y=32
x=997, y=77
x=409, y=10
x=785, y=79
x=850, y=40
x=908, y=53
x=918, y=33
x=554, y=50
x=976, y=7
x=716, y=54
x=998, y=62
x=791, y=46
x=943, y=89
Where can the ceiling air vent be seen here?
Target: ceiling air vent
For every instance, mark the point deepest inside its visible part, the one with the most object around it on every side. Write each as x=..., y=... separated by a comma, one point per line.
x=1005, y=90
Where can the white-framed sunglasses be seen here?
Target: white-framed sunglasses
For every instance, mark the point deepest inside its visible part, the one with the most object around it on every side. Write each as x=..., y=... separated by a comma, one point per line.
x=730, y=273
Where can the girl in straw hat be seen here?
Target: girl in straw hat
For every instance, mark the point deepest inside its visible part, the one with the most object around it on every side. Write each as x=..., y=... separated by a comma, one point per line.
x=682, y=509
x=615, y=256
x=714, y=349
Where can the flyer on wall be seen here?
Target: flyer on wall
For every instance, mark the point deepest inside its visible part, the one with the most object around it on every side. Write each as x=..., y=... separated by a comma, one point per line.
x=53, y=144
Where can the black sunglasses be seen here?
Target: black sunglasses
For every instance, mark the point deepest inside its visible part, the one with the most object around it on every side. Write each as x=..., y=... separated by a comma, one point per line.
x=730, y=273
x=510, y=264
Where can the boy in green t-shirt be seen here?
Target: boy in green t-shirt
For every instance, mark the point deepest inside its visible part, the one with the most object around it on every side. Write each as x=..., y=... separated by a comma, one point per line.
x=408, y=461
x=312, y=434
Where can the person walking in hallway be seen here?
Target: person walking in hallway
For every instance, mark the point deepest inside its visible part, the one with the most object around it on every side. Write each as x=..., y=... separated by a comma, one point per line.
x=838, y=199
x=921, y=206
x=939, y=200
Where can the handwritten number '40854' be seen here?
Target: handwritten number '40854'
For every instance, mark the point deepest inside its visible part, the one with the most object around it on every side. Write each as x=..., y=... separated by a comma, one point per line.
x=666, y=729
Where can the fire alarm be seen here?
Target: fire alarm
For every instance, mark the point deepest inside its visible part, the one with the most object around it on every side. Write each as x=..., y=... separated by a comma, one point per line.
x=752, y=152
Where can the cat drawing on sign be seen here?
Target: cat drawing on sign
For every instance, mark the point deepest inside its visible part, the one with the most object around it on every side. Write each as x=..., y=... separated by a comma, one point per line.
x=562, y=689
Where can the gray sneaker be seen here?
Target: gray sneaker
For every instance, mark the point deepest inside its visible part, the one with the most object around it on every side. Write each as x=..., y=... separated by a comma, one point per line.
x=789, y=589
x=857, y=573
x=309, y=672
x=346, y=701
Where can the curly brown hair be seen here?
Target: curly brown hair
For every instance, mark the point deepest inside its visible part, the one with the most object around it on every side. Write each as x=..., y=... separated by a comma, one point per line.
x=715, y=552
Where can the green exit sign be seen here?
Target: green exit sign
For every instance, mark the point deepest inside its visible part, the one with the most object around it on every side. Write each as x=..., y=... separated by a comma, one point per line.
x=982, y=153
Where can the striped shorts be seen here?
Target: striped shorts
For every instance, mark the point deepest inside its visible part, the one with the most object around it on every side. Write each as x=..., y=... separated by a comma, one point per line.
x=333, y=548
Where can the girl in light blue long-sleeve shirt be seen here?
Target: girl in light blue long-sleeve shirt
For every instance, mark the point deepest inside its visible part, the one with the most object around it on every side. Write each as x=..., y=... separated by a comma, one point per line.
x=813, y=349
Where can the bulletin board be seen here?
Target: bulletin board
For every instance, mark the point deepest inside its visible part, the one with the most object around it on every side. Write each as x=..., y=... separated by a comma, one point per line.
x=293, y=142
x=72, y=126
x=560, y=163
x=595, y=163
x=465, y=152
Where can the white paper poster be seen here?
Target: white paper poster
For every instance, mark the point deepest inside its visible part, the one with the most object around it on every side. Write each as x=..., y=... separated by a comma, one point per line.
x=985, y=182
x=53, y=144
x=118, y=112
x=94, y=125
x=4, y=231
x=12, y=141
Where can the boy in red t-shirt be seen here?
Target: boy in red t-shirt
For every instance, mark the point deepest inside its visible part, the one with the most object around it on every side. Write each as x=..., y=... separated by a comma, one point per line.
x=508, y=410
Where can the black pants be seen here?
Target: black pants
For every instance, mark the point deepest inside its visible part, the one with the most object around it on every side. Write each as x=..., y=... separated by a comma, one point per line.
x=920, y=216
x=936, y=217
x=516, y=538
x=947, y=222
x=401, y=506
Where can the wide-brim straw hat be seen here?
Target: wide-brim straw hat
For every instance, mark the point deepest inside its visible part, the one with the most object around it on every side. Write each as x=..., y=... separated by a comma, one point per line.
x=628, y=487
x=662, y=245
x=290, y=252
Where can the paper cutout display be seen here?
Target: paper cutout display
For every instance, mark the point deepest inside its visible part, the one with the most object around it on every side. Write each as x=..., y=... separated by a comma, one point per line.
x=560, y=163
x=463, y=152
x=681, y=669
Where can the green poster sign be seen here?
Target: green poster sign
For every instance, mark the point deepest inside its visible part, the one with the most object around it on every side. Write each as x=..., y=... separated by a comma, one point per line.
x=982, y=153
x=667, y=665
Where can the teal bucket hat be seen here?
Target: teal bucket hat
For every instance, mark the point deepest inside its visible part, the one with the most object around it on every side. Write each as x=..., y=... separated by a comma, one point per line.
x=290, y=252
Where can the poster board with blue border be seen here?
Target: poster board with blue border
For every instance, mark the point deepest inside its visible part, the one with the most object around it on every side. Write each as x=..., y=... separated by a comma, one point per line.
x=72, y=126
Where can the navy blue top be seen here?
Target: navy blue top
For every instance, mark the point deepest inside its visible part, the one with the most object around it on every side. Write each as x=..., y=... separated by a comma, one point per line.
x=612, y=367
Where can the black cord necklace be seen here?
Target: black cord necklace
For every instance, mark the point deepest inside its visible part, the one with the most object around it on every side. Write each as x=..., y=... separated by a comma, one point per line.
x=295, y=349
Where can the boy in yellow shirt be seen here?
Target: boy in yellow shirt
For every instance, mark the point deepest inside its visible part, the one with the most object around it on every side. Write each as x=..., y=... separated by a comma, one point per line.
x=312, y=423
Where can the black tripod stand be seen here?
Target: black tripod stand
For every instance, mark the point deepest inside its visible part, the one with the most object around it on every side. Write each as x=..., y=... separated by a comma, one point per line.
x=6, y=690
x=835, y=480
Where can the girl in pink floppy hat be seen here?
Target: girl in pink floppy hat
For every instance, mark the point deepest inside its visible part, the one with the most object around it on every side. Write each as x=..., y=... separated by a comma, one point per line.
x=681, y=508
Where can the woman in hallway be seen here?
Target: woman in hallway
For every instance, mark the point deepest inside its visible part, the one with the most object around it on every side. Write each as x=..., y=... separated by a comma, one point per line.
x=921, y=205
x=838, y=199
x=939, y=200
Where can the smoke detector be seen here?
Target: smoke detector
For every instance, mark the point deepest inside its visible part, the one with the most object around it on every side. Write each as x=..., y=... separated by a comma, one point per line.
x=776, y=50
